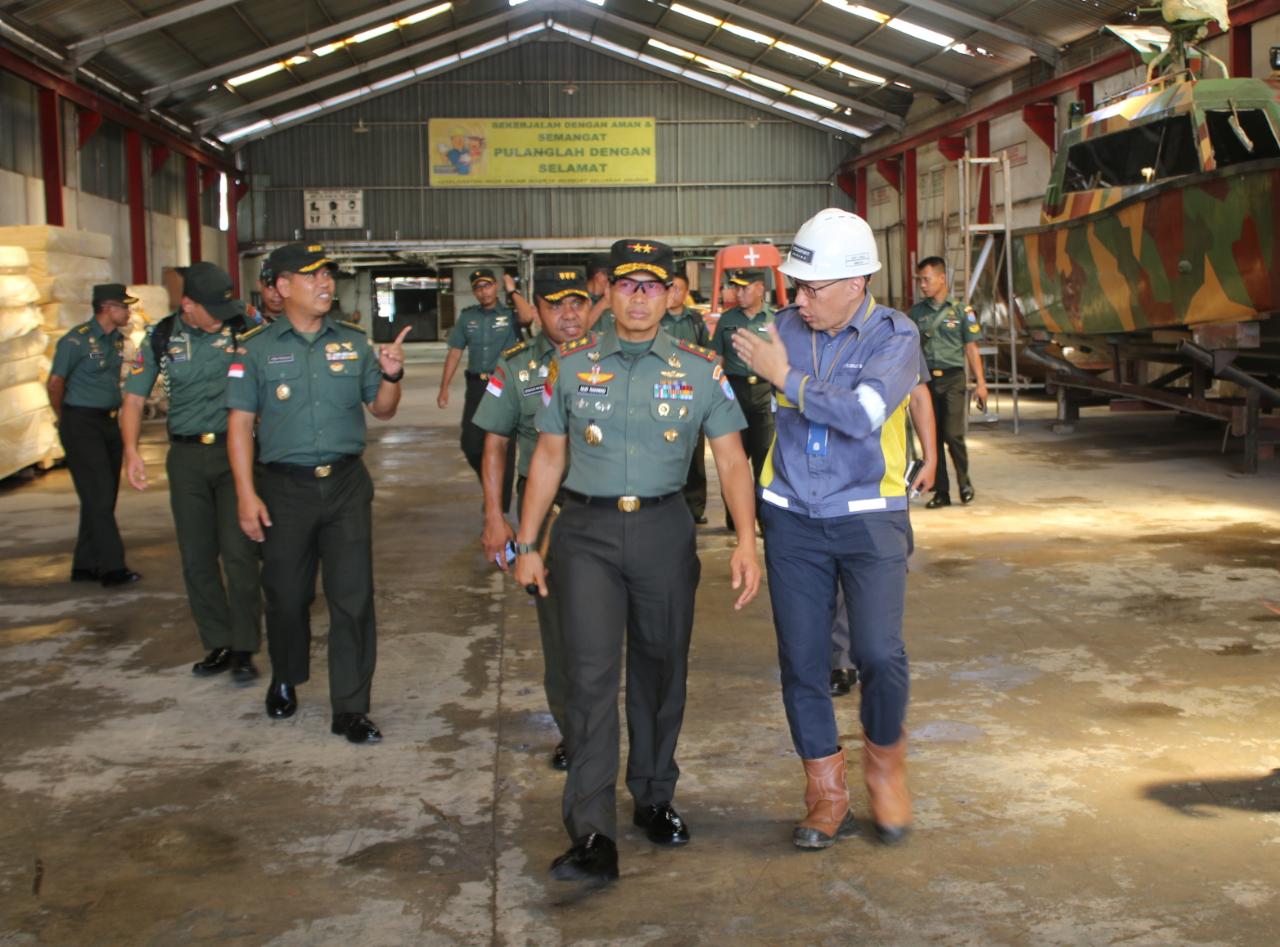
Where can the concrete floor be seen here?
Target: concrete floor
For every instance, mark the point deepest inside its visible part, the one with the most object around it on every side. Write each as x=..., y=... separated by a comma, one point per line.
x=1095, y=647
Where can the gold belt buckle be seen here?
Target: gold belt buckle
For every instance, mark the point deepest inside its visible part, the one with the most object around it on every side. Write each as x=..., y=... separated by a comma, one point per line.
x=112, y=414
x=628, y=504
x=207, y=438
x=752, y=379
x=937, y=373
x=324, y=470
x=484, y=376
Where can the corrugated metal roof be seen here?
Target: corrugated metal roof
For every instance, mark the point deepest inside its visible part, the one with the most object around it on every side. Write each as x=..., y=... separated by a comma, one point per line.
x=163, y=56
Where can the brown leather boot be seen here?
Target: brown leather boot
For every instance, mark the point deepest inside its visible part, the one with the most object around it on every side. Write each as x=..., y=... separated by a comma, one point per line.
x=826, y=796
x=885, y=770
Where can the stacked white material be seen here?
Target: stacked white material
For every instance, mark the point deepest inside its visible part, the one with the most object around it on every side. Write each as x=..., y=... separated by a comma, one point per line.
x=64, y=265
x=27, y=432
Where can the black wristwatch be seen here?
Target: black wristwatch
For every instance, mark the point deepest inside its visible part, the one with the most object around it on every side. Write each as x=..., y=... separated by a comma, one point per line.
x=394, y=379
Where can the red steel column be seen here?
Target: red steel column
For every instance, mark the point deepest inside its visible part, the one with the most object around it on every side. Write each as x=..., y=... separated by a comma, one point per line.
x=982, y=149
x=51, y=157
x=137, y=205
x=1084, y=94
x=911, y=221
x=1241, y=64
x=860, y=193
x=193, y=209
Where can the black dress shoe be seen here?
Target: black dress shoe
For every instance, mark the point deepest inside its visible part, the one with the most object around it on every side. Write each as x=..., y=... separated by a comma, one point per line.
x=560, y=757
x=215, y=662
x=842, y=681
x=700, y=520
x=662, y=824
x=243, y=673
x=282, y=700
x=966, y=494
x=118, y=577
x=592, y=858
x=84, y=575
x=939, y=499
x=356, y=727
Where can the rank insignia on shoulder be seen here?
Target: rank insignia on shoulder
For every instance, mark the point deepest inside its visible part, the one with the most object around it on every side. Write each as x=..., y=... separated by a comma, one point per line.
x=251, y=333
x=579, y=345
x=515, y=349
x=352, y=325
x=697, y=350
x=83, y=330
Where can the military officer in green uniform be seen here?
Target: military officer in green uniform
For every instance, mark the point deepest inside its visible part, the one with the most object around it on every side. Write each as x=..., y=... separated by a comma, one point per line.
x=513, y=396
x=949, y=336
x=306, y=378
x=630, y=401
x=752, y=314
x=685, y=324
x=192, y=349
x=484, y=331
x=84, y=389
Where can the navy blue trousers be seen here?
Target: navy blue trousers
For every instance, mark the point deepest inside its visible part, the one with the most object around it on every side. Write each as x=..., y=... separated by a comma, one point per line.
x=864, y=554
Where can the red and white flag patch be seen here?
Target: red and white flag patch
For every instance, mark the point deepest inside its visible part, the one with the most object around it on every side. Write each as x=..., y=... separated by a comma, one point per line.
x=236, y=370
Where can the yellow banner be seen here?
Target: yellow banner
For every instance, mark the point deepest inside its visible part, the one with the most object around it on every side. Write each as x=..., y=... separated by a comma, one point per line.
x=541, y=152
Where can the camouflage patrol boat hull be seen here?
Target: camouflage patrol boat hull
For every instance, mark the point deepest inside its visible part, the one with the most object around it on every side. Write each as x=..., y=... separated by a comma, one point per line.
x=1199, y=249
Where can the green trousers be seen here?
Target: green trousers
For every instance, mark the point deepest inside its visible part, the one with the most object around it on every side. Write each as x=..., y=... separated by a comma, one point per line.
x=326, y=525
x=91, y=438
x=950, y=401
x=202, y=495
x=553, y=659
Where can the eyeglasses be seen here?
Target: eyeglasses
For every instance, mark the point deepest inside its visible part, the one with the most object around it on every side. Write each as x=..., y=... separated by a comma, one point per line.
x=809, y=289
x=651, y=288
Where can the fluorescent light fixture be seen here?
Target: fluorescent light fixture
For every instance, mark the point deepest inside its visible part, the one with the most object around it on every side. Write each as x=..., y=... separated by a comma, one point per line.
x=373, y=32
x=259, y=73
x=801, y=52
x=426, y=14
x=436, y=64
x=815, y=99
x=745, y=33
x=674, y=50
x=613, y=47
x=858, y=73
x=695, y=14
x=920, y=32
x=901, y=85
x=858, y=9
x=767, y=83
x=328, y=48
x=516, y=3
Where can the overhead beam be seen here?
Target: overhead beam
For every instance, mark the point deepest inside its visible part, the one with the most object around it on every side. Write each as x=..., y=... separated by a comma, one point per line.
x=74, y=92
x=262, y=57
x=1046, y=51
x=664, y=36
x=362, y=69
x=712, y=90
x=83, y=50
x=792, y=31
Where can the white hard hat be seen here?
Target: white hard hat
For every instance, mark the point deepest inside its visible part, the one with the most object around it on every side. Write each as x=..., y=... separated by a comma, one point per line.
x=832, y=244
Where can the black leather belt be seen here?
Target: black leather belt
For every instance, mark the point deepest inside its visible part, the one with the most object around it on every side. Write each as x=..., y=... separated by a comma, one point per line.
x=943, y=372
x=750, y=379
x=480, y=376
x=101, y=412
x=625, y=504
x=207, y=439
x=306, y=472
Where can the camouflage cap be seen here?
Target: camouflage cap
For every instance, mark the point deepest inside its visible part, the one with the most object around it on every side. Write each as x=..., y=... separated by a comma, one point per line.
x=297, y=258
x=642, y=256
x=209, y=285
x=482, y=276
x=112, y=293
x=554, y=283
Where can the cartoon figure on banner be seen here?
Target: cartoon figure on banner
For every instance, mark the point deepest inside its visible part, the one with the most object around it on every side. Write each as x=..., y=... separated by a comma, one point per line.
x=463, y=151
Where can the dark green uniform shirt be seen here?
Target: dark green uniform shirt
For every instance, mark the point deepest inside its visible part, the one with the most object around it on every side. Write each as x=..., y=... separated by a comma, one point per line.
x=195, y=368
x=485, y=334
x=731, y=322
x=945, y=329
x=89, y=360
x=647, y=410
x=687, y=327
x=514, y=395
x=309, y=396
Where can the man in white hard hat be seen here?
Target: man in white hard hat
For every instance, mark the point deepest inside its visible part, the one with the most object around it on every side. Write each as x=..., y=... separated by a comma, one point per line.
x=834, y=511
